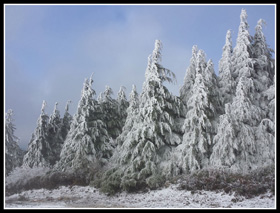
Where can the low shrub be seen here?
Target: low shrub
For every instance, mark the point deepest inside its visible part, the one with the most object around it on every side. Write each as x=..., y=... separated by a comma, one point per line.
x=35, y=178
x=249, y=185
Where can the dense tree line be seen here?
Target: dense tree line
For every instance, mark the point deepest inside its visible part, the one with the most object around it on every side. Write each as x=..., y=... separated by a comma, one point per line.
x=216, y=121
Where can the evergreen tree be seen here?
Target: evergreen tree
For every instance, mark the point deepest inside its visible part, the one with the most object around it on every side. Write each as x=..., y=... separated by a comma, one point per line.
x=132, y=112
x=13, y=153
x=189, y=77
x=110, y=113
x=150, y=140
x=54, y=136
x=201, y=109
x=199, y=126
x=242, y=53
x=87, y=141
x=39, y=149
x=235, y=143
x=66, y=121
x=264, y=65
x=269, y=101
x=226, y=82
x=122, y=106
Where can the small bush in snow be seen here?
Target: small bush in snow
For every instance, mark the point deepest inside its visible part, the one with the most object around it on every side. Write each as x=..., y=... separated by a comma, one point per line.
x=21, y=177
x=249, y=184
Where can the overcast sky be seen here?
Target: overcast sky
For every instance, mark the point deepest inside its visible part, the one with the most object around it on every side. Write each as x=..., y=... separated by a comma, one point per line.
x=51, y=49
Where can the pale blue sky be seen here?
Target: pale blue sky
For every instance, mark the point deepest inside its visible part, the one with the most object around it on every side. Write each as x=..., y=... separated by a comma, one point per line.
x=51, y=49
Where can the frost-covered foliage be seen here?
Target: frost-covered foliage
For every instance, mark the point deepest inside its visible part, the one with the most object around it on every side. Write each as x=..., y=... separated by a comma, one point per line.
x=151, y=137
x=240, y=143
x=39, y=149
x=87, y=140
x=189, y=77
x=226, y=81
x=54, y=136
x=245, y=137
x=110, y=113
x=200, y=125
x=131, y=112
x=263, y=54
x=122, y=106
x=66, y=121
x=242, y=53
x=22, y=176
x=263, y=68
x=47, y=140
x=13, y=153
x=225, y=122
x=269, y=102
x=248, y=184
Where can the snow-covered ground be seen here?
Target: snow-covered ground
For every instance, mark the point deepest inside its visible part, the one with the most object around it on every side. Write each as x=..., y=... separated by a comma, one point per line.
x=170, y=197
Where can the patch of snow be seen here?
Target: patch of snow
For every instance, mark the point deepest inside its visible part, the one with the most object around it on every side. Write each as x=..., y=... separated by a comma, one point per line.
x=171, y=197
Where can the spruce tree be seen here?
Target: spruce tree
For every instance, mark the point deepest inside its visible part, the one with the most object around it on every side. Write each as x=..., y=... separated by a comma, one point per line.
x=189, y=77
x=122, y=106
x=147, y=147
x=264, y=65
x=226, y=82
x=200, y=123
x=132, y=112
x=235, y=143
x=109, y=107
x=39, y=149
x=66, y=121
x=54, y=136
x=87, y=142
x=269, y=100
x=13, y=153
x=242, y=53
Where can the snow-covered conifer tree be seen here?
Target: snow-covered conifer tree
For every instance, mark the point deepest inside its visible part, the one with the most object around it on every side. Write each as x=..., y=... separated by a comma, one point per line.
x=150, y=140
x=39, y=148
x=54, y=135
x=13, y=153
x=132, y=112
x=87, y=140
x=110, y=113
x=235, y=144
x=263, y=67
x=263, y=54
x=199, y=125
x=122, y=105
x=66, y=121
x=269, y=100
x=189, y=77
x=226, y=82
x=202, y=109
x=242, y=53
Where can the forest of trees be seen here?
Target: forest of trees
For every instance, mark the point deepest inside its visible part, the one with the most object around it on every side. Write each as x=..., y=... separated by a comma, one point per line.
x=225, y=120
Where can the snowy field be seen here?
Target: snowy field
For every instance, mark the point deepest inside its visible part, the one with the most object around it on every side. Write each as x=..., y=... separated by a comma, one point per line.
x=171, y=197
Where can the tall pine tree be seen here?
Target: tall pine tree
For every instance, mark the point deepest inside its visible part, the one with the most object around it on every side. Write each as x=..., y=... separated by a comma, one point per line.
x=54, y=136
x=66, y=121
x=110, y=107
x=189, y=77
x=242, y=53
x=226, y=82
x=200, y=123
x=235, y=143
x=150, y=140
x=39, y=149
x=122, y=106
x=13, y=153
x=131, y=112
x=87, y=141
